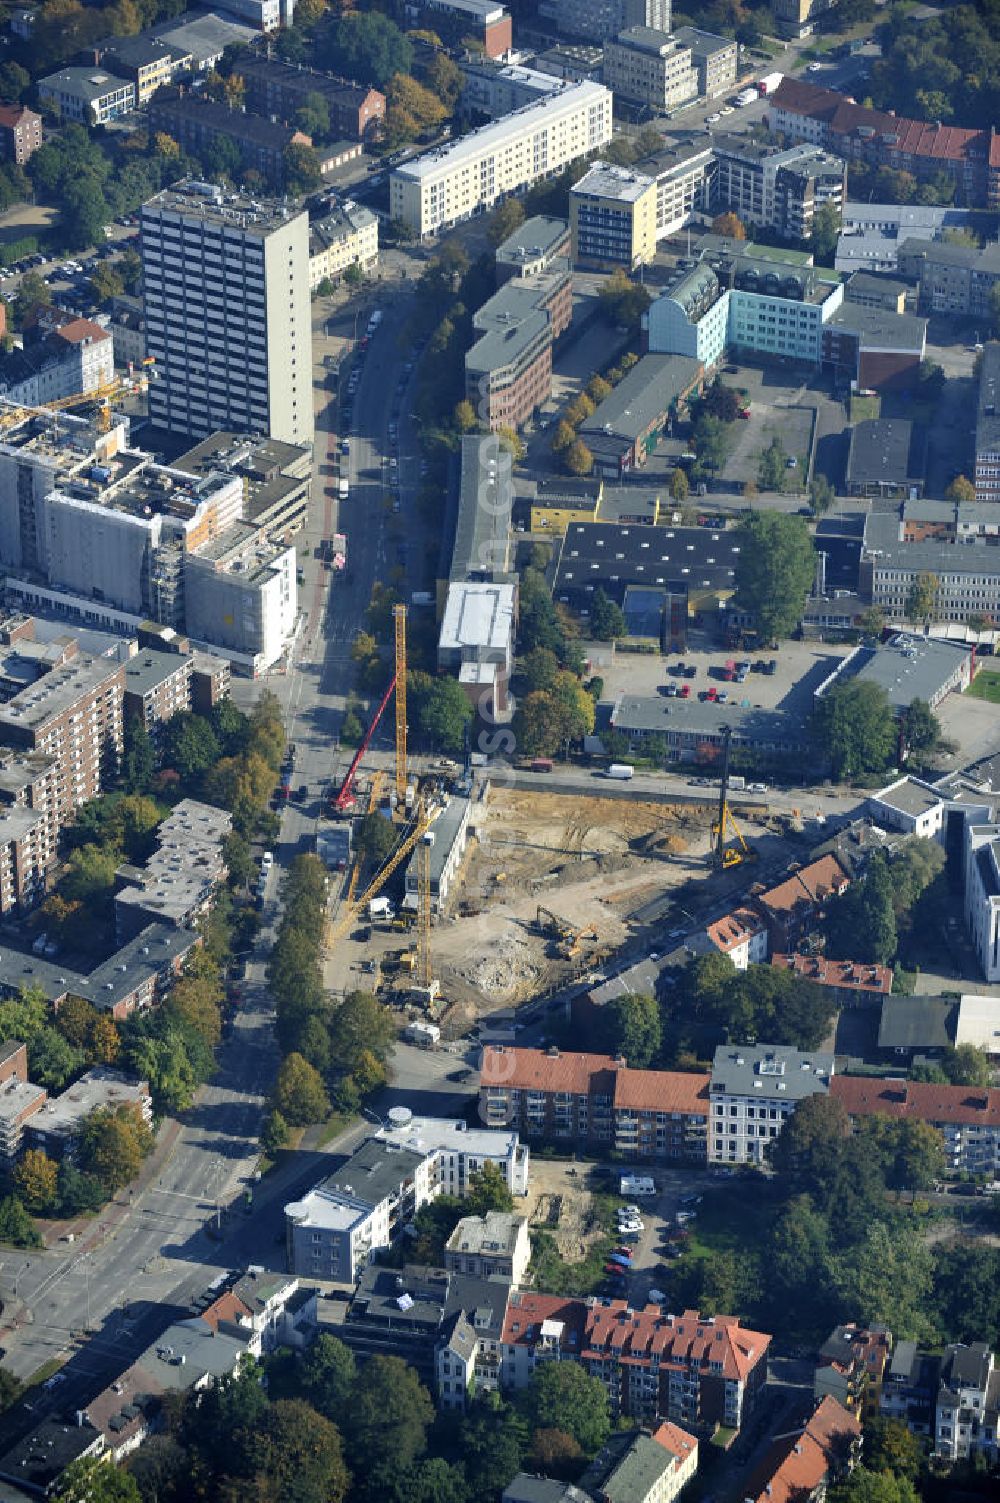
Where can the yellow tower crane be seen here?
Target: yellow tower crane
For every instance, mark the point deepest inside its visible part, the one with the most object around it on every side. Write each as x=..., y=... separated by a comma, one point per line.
x=14, y=412
x=399, y=615
x=422, y=818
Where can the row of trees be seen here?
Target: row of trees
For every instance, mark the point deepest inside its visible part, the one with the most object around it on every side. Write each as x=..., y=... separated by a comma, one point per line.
x=328, y=1430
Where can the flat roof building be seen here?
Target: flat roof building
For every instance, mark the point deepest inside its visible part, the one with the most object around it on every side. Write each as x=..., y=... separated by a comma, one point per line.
x=250, y=368
x=650, y=67
x=987, y=463
x=483, y=547
x=179, y=881
x=886, y=458
x=56, y=1126
x=629, y=423
x=531, y=248
x=91, y=96
x=453, y=182
x=612, y=213
x=907, y=667
x=275, y=477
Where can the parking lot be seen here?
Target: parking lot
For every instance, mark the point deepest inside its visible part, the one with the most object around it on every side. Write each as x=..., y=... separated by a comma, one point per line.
x=658, y=1244
x=800, y=668
x=791, y=424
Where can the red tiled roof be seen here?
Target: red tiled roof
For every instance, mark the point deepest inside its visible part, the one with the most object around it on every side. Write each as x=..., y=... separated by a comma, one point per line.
x=917, y=1100
x=820, y=879
x=526, y=1311
x=675, y=1440
x=11, y=115
x=994, y=150
x=796, y=1466
x=538, y=1070
x=662, y=1091
x=227, y=1309
x=633, y=1336
x=847, y=973
x=80, y=329
x=919, y=138
x=581, y=1074
x=735, y=928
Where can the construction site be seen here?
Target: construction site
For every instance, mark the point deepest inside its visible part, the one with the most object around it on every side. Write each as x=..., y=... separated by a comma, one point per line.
x=495, y=894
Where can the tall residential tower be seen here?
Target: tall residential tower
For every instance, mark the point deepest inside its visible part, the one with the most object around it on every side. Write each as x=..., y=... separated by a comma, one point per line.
x=226, y=281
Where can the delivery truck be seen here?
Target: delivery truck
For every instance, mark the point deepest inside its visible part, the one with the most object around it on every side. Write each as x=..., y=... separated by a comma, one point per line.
x=622, y=771
x=768, y=84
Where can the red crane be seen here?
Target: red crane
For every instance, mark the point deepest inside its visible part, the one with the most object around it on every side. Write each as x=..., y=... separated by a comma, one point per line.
x=345, y=797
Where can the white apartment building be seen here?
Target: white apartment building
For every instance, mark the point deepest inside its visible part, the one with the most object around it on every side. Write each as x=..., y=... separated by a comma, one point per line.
x=754, y=1089
x=347, y=237
x=987, y=466
x=982, y=894
x=228, y=318
x=911, y=806
x=241, y=594
x=650, y=67
x=459, y=1151
x=742, y=935
x=684, y=183
x=265, y=15
x=469, y=176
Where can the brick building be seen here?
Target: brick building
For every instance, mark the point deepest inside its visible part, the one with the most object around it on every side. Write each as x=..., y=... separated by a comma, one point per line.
x=796, y=904
x=157, y=685
x=20, y=1099
x=803, y=1464
x=967, y=1117
x=696, y=1371
x=278, y=90
x=73, y=716
x=596, y=1099
x=971, y=158
x=852, y=982
x=196, y=123
x=20, y=133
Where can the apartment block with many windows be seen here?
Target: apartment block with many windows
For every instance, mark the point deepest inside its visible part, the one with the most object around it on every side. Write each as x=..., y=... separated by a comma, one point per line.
x=650, y=67
x=695, y=1370
x=593, y=1098
x=469, y=176
x=967, y=1117
x=987, y=470
x=228, y=319
x=754, y=1089
x=612, y=212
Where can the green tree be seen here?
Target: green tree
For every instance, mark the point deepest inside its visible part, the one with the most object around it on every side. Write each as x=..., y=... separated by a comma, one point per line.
x=36, y=1179
x=825, y=234
x=623, y=302
x=539, y=668
x=445, y=714
x=607, y=620
x=361, y=1023
x=578, y=458
x=598, y=389
x=275, y=1133
x=505, y=219
x=722, y=402
x=298, y=1092
x=52, y=1060
x=871, y=622
x=390, y=1414
x=853, y=725
x=891, y=1446
x=493, y=1442
x=113, y=1143
x=631, y=1026
x=189, y=745
x=775, y=570
x=11, y=1389
x=960, y=490
x=96, y=1479
x=887, y=1280
x=138, y=759
x=861, y=925
x=328, y=1374
x=807, y=1152
x=679, y=486
x=299, y=1453
x=821, y=494
x=367, y=46
x=967, y=1065
x=303, y=173
x=376, y=838
x=921, y=599
x=921, y=732
x=488, y=1191
x=32, y=294
x=434, y=1480
x=773, y=467
x=313, y=116
x=561, y=1395
x=863, y=1486
x=16, y=1226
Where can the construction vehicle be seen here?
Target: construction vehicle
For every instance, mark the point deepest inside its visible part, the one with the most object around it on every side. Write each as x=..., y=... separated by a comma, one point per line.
x=344, y=801
x=567, y=942
x=725, y=826
x=422, y=820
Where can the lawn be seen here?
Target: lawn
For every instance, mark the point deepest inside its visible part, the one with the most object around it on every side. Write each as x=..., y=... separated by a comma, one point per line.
x=986, y=685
